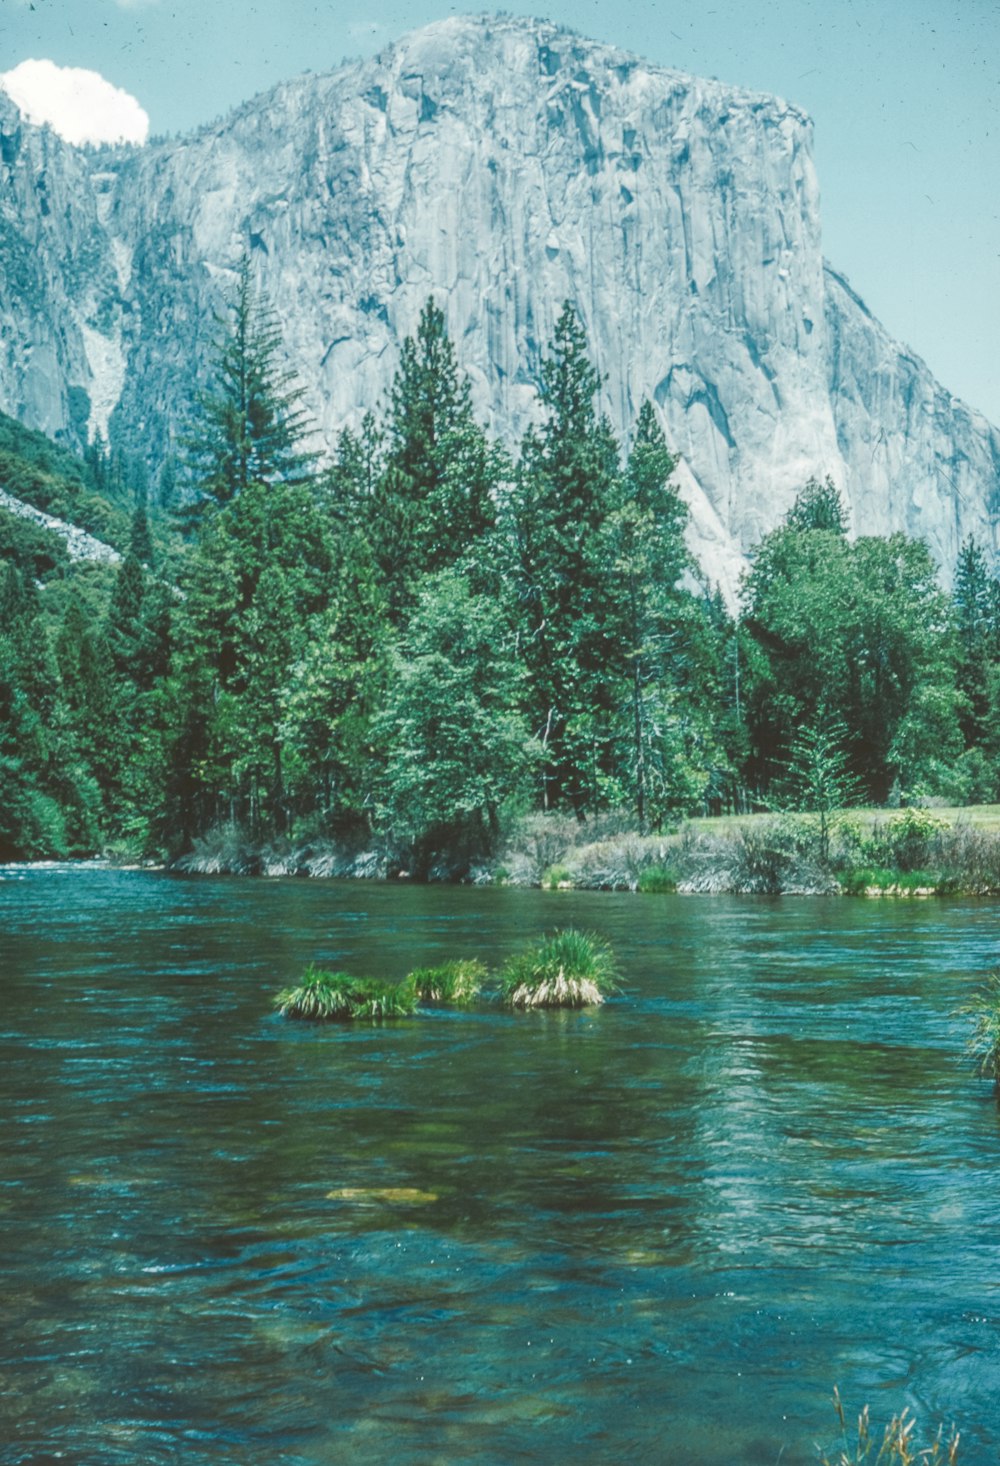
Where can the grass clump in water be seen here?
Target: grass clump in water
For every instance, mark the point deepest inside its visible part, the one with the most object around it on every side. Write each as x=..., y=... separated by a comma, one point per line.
x=984, y=1045
x=897, y=1446
x=451, y=982
x=570, y=969
x=323, y=994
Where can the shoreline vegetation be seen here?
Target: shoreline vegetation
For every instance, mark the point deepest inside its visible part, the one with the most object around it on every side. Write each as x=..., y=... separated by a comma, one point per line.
x=435, y=655
x=885, y=853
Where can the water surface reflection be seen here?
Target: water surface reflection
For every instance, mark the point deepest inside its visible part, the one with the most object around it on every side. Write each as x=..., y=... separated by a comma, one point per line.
x=668, y=1226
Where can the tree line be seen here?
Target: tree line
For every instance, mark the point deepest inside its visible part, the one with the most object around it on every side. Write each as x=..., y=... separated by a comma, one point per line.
x=428, y=635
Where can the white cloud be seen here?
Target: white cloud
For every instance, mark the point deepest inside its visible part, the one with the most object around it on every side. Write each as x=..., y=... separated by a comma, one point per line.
x=79, y=105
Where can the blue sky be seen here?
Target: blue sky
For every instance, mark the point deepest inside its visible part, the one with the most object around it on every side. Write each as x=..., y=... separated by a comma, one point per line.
x=905, y=95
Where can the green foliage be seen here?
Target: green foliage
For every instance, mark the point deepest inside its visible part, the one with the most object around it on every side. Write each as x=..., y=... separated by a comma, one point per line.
x=556, y=877
x=860, y=881
x=250, y=423
x=456, y=748
x=984, y=1043
x=333, y=693
x=904, y=841
x=338, y=995
x=570, y=969
x=407, y=652
x=35, y=551
x=858, y=630
x=423, y=492
x=31, y=822
x=656, y=879
x=817, y=778
x=818, y=506
x=455, y=982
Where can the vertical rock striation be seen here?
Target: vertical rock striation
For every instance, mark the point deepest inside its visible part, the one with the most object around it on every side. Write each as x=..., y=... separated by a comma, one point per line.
x=502, y=165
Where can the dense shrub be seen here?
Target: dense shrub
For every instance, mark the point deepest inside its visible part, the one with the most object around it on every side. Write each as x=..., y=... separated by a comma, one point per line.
x=764, y=858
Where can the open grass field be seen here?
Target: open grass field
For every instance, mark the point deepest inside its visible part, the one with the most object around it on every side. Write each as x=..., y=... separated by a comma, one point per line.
x=981, y=816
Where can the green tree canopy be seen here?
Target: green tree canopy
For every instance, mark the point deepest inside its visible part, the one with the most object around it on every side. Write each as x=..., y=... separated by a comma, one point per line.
x=251, y=424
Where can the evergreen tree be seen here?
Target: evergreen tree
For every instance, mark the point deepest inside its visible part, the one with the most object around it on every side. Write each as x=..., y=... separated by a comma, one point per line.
x=332, y=696
x=251, y=424
x=978, y=636
x=93, y=735
x=567, y=484
x=818, y=506
x=123, y=627
x=31, y=820
x=140, y=540
x=433, y=497
x=817, y=778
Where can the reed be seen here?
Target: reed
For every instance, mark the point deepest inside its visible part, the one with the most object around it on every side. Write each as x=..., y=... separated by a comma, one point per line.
x=984, y=1044
x=897, y=1446
x=339, y=995
x=456, y=982
x=570, y=969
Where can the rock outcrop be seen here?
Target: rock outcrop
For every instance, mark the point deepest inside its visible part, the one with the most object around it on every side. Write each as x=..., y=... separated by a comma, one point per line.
x=501, y=165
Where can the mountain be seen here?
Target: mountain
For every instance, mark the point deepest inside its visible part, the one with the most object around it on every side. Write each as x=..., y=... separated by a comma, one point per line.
x=502, y=165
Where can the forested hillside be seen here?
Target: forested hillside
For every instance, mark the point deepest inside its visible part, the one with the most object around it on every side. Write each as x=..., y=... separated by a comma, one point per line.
x=423, y=639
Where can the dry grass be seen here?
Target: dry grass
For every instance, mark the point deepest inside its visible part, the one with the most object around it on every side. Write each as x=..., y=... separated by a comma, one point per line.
x=897, y=1446
x=984, y=1044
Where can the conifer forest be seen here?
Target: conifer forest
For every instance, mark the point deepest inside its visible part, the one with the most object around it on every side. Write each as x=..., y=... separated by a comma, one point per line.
x=430, y=636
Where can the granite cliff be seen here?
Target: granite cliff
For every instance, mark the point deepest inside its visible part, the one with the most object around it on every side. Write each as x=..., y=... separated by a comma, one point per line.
x=501, y=165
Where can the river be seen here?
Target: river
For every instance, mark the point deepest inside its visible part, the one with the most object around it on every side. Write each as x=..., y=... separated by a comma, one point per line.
x=657, y=1231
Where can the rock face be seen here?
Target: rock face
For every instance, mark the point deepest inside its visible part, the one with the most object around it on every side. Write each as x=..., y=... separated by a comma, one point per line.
x=503, y=166
x=79, y=544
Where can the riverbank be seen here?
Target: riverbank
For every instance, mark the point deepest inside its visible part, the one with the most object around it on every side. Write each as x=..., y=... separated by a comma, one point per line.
x=907, y=853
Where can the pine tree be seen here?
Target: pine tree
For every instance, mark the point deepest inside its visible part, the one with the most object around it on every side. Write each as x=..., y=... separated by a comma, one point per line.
x=332, y=695
x=252, y=423
x=975, y=600
x=818, y=506
x=567, y=484
x=434, y=495
x=140, y=540
x=123, y=626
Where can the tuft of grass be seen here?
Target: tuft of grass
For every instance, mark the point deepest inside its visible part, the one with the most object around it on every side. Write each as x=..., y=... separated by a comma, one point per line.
x=451, y=982
x=657, y=878
x=323, y=994
x=897, y=1446
x=570, y=969
x=859, y=881
x=984, y=1044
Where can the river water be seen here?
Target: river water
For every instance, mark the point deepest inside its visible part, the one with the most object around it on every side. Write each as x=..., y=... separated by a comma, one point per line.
x=657, y=1231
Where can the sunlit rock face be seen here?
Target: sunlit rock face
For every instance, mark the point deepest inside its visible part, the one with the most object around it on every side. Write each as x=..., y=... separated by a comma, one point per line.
x=502, y=166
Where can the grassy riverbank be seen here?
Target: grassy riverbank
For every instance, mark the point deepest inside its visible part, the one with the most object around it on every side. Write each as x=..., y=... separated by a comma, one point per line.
x=886, y=853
